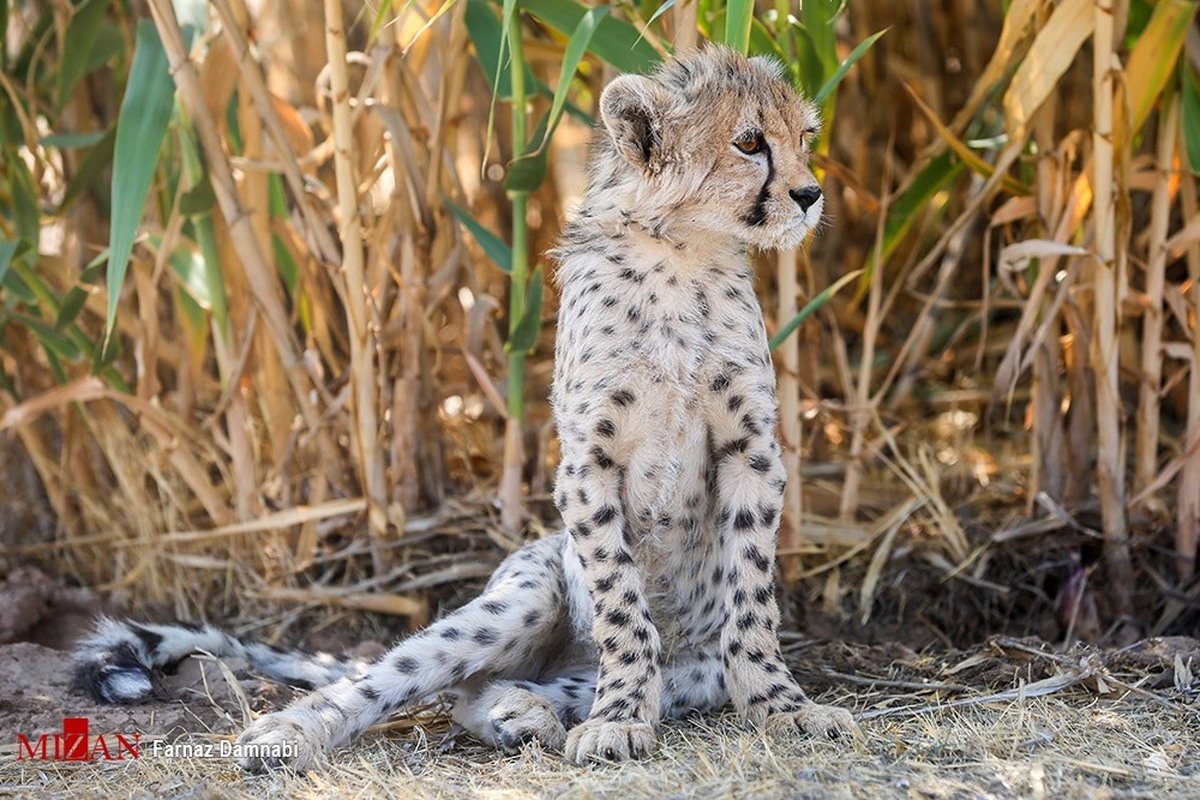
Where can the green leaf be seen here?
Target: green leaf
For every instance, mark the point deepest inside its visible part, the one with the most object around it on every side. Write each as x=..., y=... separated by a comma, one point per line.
x=572, y=55
x=86, y=22
x=381, y=17
x=762, y=43
x=525, y=335
x=24, y=211
x=662, y=9
x=4, y=37
x=10, y=274
x=7, y=249
x=1191, y=117
x=93, y=272
x=289, y=271
x=810, y=71
x=203, y=228
x=616, y=41
x=855, y=54
x=811, y=307
x=818, y=18
x=491, y=244
x=199, y=199
x=189, y=267
x=193, y=319
x=483, y=26
x=94, y=163
x=527, y=172
x=71, y=141
x=141, y=125
x=738, y=16
x=908, y=207
x=1154, y=56
x=276, y=199
x=72, y=303
x=55, y=342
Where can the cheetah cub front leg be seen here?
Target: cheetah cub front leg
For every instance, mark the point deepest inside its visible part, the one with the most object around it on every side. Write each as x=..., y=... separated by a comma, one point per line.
x=626, y=710
x=750, y=484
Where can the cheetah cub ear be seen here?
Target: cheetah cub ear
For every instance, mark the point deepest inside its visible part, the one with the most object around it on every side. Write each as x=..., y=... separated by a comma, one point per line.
x=633, y=108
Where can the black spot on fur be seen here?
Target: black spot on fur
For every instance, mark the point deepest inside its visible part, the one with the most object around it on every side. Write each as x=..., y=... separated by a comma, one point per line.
x=604, y=515
x=622, y=398
x=744, y=520
x=757, y=558
x=760, y=463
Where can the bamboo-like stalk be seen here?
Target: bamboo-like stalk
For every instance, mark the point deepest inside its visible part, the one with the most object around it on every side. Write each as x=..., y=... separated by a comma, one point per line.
x=1110, y=466
x=263, y=284
x=686, y=32
x=271, y=382
x=1045, y=398
x=787, y=356
x=252, y=81
x=862, y=407
x=1148, y=410
x=1187, y=503
x=511, y=512
x=364, y=408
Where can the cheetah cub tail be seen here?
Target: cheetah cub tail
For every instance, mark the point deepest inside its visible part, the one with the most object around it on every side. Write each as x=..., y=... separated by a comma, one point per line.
x=113, y=663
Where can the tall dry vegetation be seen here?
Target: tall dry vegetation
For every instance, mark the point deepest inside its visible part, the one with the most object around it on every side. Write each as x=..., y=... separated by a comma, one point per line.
x=269, y=321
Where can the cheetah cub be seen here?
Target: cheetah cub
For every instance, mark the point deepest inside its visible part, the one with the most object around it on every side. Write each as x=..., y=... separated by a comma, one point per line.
x=658, y=599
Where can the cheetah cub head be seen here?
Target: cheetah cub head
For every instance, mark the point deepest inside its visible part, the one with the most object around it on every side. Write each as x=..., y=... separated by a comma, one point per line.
x=715, y=142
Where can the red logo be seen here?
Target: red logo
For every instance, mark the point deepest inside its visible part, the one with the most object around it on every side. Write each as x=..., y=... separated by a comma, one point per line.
x=75, y=744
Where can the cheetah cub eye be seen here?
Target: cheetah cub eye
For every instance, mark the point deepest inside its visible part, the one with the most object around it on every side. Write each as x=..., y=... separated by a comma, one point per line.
x=750, y=142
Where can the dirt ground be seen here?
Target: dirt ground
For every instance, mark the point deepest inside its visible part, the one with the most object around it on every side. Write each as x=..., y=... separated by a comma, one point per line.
x=1009, y=718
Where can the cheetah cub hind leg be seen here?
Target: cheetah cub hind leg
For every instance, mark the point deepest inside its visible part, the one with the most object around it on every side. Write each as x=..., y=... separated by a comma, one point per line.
x=520, y=717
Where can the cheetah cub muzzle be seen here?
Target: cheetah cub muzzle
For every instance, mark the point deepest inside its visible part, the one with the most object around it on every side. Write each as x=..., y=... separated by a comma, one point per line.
x=658, y=598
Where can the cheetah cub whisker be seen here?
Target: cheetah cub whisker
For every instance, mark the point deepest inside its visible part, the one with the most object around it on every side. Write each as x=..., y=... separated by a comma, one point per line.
x=658, y=599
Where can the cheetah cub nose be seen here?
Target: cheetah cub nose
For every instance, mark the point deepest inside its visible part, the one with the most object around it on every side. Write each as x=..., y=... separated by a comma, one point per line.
x=806, y=197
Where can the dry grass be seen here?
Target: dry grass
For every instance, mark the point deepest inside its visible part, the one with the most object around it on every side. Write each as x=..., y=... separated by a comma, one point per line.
x=1070, y=746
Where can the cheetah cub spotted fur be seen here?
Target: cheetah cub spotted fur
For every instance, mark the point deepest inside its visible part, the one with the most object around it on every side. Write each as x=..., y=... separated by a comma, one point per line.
x=658, y=599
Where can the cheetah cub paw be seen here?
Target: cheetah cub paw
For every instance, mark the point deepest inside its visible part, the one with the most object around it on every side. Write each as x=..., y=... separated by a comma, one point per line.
x=264, y=744
x=520, y=716
x=823, y=722
x=601, y=740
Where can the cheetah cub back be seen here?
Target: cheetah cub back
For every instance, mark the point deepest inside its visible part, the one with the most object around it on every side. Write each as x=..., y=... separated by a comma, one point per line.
x=658, y=598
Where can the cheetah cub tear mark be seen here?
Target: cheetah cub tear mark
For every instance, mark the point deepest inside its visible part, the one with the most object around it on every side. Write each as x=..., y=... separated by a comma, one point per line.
x=658, y=599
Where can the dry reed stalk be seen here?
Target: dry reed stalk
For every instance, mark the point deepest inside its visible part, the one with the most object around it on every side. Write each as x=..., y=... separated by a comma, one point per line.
x=285, y=156
x=862, y=407
x=684, y=16
x=1150, y=388
x=416, y=170
x=509, y=494
x=263, y=283
x=1045, y=393
x=1187, y=504
x=271, y=392
x=1110, y=465
x=362, y=367
x=787, y=357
